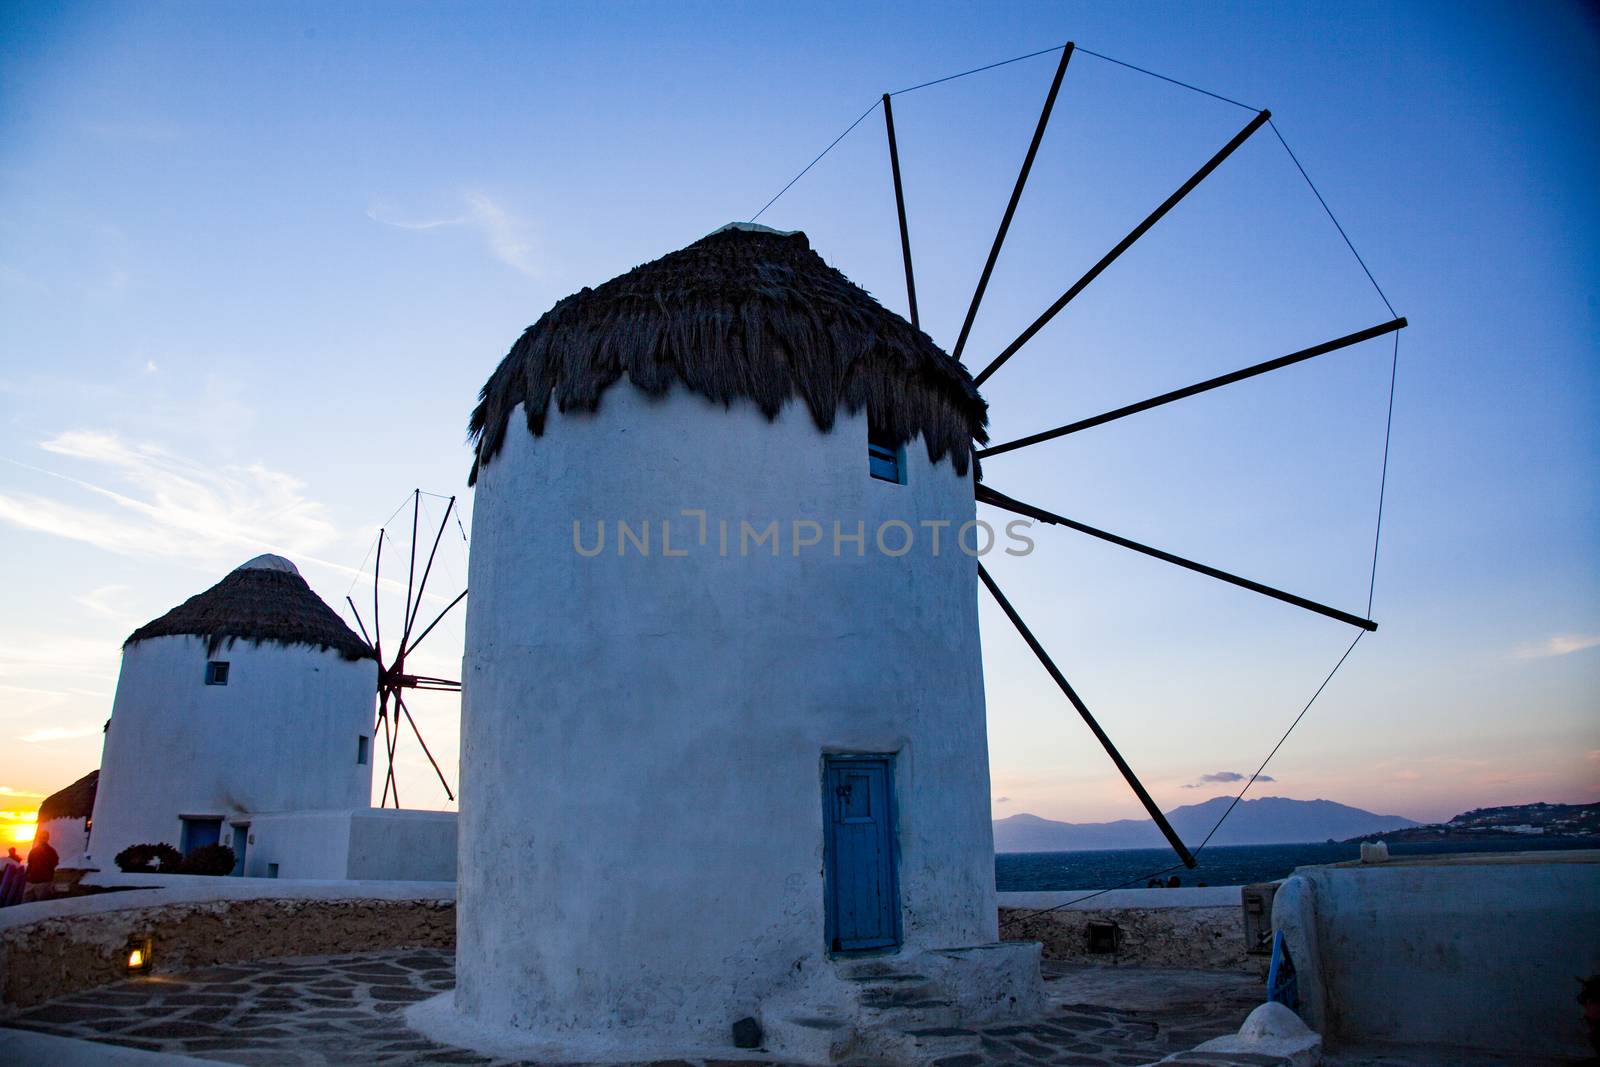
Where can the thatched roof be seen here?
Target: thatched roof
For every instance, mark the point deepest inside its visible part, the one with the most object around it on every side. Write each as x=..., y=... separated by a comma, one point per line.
x=745, y=313
x=76, y=801
x=263, y=600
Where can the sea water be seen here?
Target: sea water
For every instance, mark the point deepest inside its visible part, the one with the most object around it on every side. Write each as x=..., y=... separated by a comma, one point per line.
x=1220, y=864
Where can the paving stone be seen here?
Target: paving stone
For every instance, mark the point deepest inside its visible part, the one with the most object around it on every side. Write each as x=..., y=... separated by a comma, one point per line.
x=128, y=1042
x=173, y=1028
x=332, y=1011
x=61, y=1012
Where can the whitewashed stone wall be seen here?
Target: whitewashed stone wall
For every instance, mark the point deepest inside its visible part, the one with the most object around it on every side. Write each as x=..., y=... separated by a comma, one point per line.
x=280, y=736
x=642, y=737
x=363, y=844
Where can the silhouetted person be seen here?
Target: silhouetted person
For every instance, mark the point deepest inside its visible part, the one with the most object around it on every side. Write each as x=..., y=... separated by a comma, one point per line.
x=42, y=860
x=13, y=879
x=1173, y=882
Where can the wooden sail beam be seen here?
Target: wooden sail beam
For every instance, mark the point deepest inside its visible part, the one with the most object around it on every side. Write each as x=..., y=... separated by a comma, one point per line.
x=407, y=711
x=1132, y=779
x=1199, y=387
x=1016, y=197
x=1127, y=242
x=432, y=552
x=900, y=206
x=438, y=619
x=997, y=499
x=411, y=575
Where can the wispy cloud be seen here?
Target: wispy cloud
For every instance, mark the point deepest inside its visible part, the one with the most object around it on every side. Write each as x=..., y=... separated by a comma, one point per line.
x=47, y=734
x=167, y=506
x=1557, y=645
x=504, y=232
x=1223, y=777
x=55, y=656
x=100, y=602
x=1002, y=800
x=7, y=791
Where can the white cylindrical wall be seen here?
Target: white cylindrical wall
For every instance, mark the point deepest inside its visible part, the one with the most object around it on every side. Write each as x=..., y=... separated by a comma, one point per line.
x=280, y=736
x=642, y=737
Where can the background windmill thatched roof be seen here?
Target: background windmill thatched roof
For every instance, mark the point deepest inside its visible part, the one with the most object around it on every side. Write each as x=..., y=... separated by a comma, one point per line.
x=264, y=600
x=76, y=801
x=742, y=313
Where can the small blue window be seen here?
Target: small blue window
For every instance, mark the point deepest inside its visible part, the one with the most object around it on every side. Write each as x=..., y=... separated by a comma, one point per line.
x=886, y=460
x=217, y=672
x=361, y=748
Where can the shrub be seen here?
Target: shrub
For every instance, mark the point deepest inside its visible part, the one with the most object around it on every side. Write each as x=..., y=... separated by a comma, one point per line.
x=143, y=859
x=208, y=859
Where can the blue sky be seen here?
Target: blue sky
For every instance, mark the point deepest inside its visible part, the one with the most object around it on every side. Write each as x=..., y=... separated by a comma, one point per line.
x=255, y=264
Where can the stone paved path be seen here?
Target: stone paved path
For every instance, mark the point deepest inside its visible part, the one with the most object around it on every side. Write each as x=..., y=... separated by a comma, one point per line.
x=336, y=1010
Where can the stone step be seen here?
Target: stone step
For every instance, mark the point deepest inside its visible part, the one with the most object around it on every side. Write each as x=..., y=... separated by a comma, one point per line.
x=936, y=1043
x=923, y=994
x=878, y=970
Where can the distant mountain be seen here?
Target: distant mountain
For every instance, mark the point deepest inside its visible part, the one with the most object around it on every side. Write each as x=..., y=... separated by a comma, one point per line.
x=1515, y=821
x=1266, y=821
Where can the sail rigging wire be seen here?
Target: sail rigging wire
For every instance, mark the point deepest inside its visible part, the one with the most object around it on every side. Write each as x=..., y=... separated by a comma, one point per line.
x=381, y=528
x=978, y=70
x=1165, y=78
x=1372, y=584
x=1130, y=66
x=1383, y=477
x=1331, y=217
x=967, y=73
x=814, y=162
x=1035, y=914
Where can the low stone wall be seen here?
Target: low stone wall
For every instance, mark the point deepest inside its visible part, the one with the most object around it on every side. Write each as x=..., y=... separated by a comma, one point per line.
x=1199, y=928
x=63, y=946
x=51, y=948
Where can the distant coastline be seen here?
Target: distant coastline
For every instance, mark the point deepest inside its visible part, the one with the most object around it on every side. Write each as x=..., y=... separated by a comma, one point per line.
x=1229, y=865
x=1284, y=821
x=1261, y=821
x=1516, y=822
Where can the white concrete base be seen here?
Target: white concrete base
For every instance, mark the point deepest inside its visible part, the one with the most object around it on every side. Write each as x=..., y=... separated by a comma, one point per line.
x=1272, y=1030
x=868, y=1008
x=437, y=1019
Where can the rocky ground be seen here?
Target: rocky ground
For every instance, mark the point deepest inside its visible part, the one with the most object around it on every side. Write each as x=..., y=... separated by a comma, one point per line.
x=347, y=1009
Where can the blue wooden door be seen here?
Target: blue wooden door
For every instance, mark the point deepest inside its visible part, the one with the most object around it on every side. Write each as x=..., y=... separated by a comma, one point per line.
x=863, y=891
x=241, y=841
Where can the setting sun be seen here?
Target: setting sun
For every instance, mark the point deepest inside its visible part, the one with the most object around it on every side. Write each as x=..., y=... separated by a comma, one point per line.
x=21, y=832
